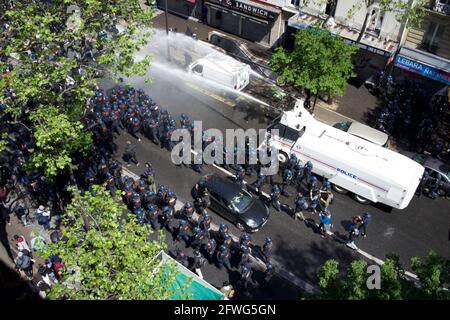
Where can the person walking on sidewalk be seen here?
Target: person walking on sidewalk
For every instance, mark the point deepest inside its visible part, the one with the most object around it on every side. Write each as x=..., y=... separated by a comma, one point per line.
x=130, y=154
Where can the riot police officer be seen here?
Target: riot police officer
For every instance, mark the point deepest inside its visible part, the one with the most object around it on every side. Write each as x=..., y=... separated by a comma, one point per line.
x=183, y=229
x=187, y=213
x=152, y=216
x=210, y=248
x=197, y=238
x=167, y=215
x=223, y=257
x=240, y=175
x=275, y=198
x=287, y=180
x=267, y=248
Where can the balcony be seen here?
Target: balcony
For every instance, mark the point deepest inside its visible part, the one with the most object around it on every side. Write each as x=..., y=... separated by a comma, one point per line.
x=440, y=6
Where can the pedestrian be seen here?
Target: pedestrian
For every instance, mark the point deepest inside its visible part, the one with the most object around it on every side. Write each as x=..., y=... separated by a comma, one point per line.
x=325, y=223
x=326, y=196
x=366, y=219
x=209, y=249
x=228, y=290
x=314, y=198
x=149, y=176
x=43, y=217
x=25, y=263
x=205, y=223
x=22, y=245
x=258, y=184
x=301, y=204
x=130, y=154
x=182, y=258
x=199, y=262
x=353, y=232
x=22, y=214
x=240, y=175
x=267, y=249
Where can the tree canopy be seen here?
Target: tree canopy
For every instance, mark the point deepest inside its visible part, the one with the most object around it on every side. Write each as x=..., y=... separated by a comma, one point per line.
x=52, y=54
x=433, y=273
x=108, y=255
x=319, y=62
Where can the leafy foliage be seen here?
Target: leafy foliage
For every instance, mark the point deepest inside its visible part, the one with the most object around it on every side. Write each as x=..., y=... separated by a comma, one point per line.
x=319, y=62
x=108, y=255
x=56, y=139
x=433, y=272
x=54, y=52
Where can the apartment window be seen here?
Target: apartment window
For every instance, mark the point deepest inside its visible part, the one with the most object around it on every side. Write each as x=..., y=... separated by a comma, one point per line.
x=432, y=37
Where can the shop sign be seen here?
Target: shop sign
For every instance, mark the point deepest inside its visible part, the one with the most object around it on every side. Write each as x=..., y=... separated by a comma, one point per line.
x=245, y=7
x=420, y=68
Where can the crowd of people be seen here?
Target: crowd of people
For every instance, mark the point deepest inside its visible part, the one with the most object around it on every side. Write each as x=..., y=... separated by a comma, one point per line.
x=134, y=111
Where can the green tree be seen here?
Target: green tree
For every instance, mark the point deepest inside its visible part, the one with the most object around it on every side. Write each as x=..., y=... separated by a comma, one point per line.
x=54, y=52
x=107, y=255
x=433, y=280
x=57, y=138
x=320, y=62
x=434, y=274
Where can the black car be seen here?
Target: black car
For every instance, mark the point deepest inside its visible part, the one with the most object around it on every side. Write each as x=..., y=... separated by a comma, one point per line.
x=236, y=204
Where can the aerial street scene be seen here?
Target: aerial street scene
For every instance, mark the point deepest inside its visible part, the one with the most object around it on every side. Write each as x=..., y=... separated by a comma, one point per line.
x=250, y=152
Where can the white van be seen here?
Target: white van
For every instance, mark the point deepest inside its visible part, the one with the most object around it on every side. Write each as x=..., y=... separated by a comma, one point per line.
x=223, y=70
x=372, y=173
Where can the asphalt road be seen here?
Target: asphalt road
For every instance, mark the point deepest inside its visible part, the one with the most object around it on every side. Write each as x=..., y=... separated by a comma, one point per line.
x=422, y=226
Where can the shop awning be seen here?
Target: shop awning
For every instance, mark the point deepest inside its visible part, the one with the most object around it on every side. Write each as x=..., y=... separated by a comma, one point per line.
x=425, y=64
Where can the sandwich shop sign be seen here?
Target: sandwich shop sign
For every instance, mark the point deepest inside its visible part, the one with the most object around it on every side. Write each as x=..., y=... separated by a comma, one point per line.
x=251, y=9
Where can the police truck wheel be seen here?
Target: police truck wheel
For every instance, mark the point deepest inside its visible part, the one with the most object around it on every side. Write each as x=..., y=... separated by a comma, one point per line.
x=361, y=199
x=339, y=189
x=282, y=158
x=240, y=227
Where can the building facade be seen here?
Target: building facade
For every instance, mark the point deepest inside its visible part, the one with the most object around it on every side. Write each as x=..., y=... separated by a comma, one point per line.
x=251, y=20
x=379, y=43
x=425, y=54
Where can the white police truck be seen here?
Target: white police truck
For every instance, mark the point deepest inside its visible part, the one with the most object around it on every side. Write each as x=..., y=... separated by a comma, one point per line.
x=370, y=172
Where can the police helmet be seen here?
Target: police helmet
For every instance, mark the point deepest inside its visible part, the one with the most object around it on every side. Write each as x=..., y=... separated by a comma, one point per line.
x=182, y=222
x=152, y=207
x=197, y=230
x=223, y=248
x=188, y=205
x=309, y=164
x=268, y=240
x=226, y=236
x=170, y=194
x=245, y=236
